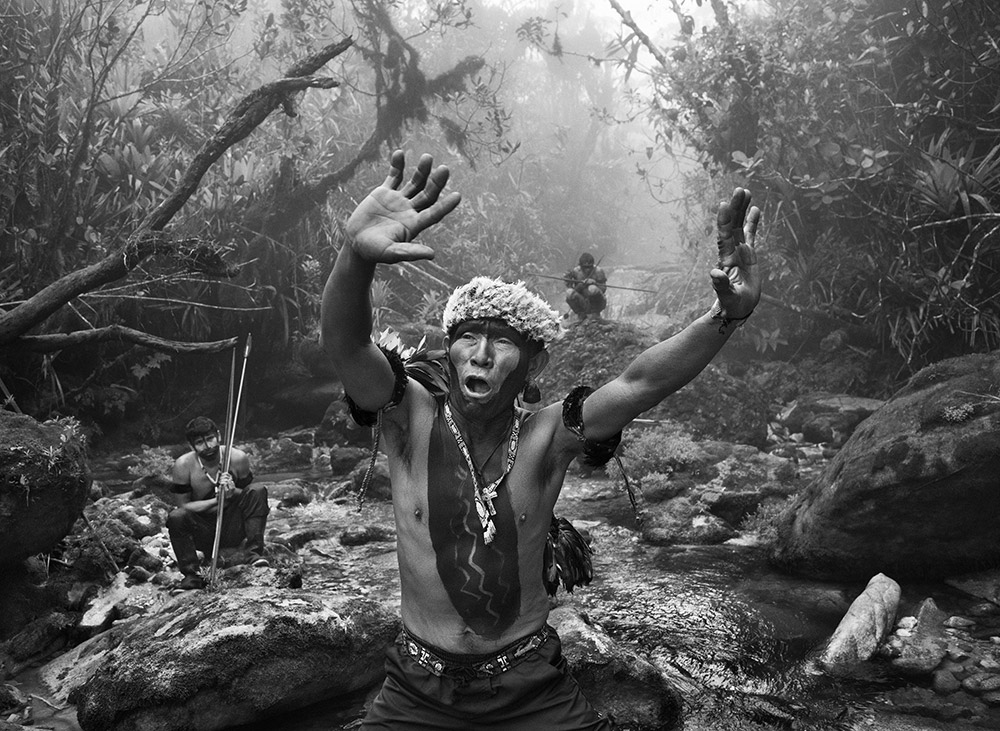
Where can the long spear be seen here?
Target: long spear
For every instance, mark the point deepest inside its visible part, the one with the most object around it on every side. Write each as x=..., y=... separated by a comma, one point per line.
x=229, y=404
x=609, y=286
x=231, y=428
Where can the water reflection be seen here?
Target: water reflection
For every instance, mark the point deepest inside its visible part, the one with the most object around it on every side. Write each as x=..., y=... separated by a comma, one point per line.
x=734, y=636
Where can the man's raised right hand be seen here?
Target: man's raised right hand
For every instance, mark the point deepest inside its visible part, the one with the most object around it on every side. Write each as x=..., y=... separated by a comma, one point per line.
x=385, y=223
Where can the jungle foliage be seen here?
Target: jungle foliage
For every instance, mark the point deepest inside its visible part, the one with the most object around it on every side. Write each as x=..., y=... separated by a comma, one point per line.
x=865, y=127
x=108, y=105
x=869, y=128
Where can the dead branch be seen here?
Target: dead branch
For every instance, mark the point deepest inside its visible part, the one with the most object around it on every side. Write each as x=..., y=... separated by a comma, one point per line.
x=115, y=333
x=245, y=118
x=146, y=239
x=628, y=20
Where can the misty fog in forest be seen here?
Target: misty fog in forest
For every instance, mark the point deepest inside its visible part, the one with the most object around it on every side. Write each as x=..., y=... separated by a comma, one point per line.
x=148, y=226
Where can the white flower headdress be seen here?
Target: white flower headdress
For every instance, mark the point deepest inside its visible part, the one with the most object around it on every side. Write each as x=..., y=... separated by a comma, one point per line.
x=513, y=303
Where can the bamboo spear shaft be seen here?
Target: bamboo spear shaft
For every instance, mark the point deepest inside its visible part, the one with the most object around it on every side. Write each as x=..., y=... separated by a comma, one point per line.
x=231, y=428
x=609, y=286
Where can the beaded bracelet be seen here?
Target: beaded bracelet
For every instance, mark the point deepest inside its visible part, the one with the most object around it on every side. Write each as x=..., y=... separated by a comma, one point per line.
x=727, y=321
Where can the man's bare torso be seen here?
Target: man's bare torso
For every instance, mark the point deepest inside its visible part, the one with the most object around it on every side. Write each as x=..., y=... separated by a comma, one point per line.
x=202, y=477
x=458, y=593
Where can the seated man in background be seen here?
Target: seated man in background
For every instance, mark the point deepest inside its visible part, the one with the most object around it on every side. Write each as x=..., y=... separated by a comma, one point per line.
x=585, y=288
x=196, y=478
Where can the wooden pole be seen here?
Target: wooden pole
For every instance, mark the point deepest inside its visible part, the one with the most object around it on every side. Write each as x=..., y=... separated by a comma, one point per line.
x=221, y=496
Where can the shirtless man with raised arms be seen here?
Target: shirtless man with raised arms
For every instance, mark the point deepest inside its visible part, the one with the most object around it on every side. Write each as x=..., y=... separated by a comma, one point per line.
x=474, y=478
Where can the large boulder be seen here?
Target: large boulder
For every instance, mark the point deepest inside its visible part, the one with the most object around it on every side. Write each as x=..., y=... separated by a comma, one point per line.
x=914, y=492
x=211, y=660
x=44, y=482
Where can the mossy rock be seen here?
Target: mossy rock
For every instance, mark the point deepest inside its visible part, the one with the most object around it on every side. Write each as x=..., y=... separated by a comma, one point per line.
x=213, y=660
x=44, y=482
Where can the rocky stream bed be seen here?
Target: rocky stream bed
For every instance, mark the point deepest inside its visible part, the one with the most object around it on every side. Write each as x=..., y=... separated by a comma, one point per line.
x=737, y=639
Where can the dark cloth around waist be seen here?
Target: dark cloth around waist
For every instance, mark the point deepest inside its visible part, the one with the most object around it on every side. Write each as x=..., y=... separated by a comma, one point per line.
x=535, y=691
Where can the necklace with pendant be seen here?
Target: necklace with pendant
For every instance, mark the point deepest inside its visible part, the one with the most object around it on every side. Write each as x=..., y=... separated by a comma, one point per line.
x=485, y=495
x=213, y=480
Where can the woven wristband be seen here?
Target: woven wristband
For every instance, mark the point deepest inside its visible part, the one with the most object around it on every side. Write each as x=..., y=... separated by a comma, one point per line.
x=725, y=322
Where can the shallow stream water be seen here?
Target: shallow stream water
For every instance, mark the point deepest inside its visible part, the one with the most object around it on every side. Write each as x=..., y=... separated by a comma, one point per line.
x=733, y=634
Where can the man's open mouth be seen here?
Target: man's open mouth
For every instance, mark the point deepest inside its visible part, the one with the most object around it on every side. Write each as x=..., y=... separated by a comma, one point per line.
x=477, y=386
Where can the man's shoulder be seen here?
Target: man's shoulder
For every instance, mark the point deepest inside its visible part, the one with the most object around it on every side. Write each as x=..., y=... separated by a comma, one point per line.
x=239, y=457
x=422, y=397
x=183, y=466
x=430, y=371
x=545, y=420
x=545, y=437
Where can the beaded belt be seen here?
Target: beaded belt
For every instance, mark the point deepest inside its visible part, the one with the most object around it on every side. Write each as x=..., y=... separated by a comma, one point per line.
x=488, y=667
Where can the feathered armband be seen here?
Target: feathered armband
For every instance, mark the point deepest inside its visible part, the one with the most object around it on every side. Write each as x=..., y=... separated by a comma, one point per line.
x=595, y=454
x=370, y=418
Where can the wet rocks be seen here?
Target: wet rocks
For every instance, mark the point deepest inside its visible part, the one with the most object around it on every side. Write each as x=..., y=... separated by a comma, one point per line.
x=358, y=535
x=932, y=450
x=15, y=706
x=704, y=492
x=290, y=493
x=338, y=427
x=917, y=701
x=292, y=451
x=956, y=656
x=827, y=418
x=343, y=459
x=113, y=533
x=868, y=621
x=218, y=659
x=44, y=483
x=122, y=598
x=38, y=640
x=618, y=682
x=919, y=644
x=681, y=521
